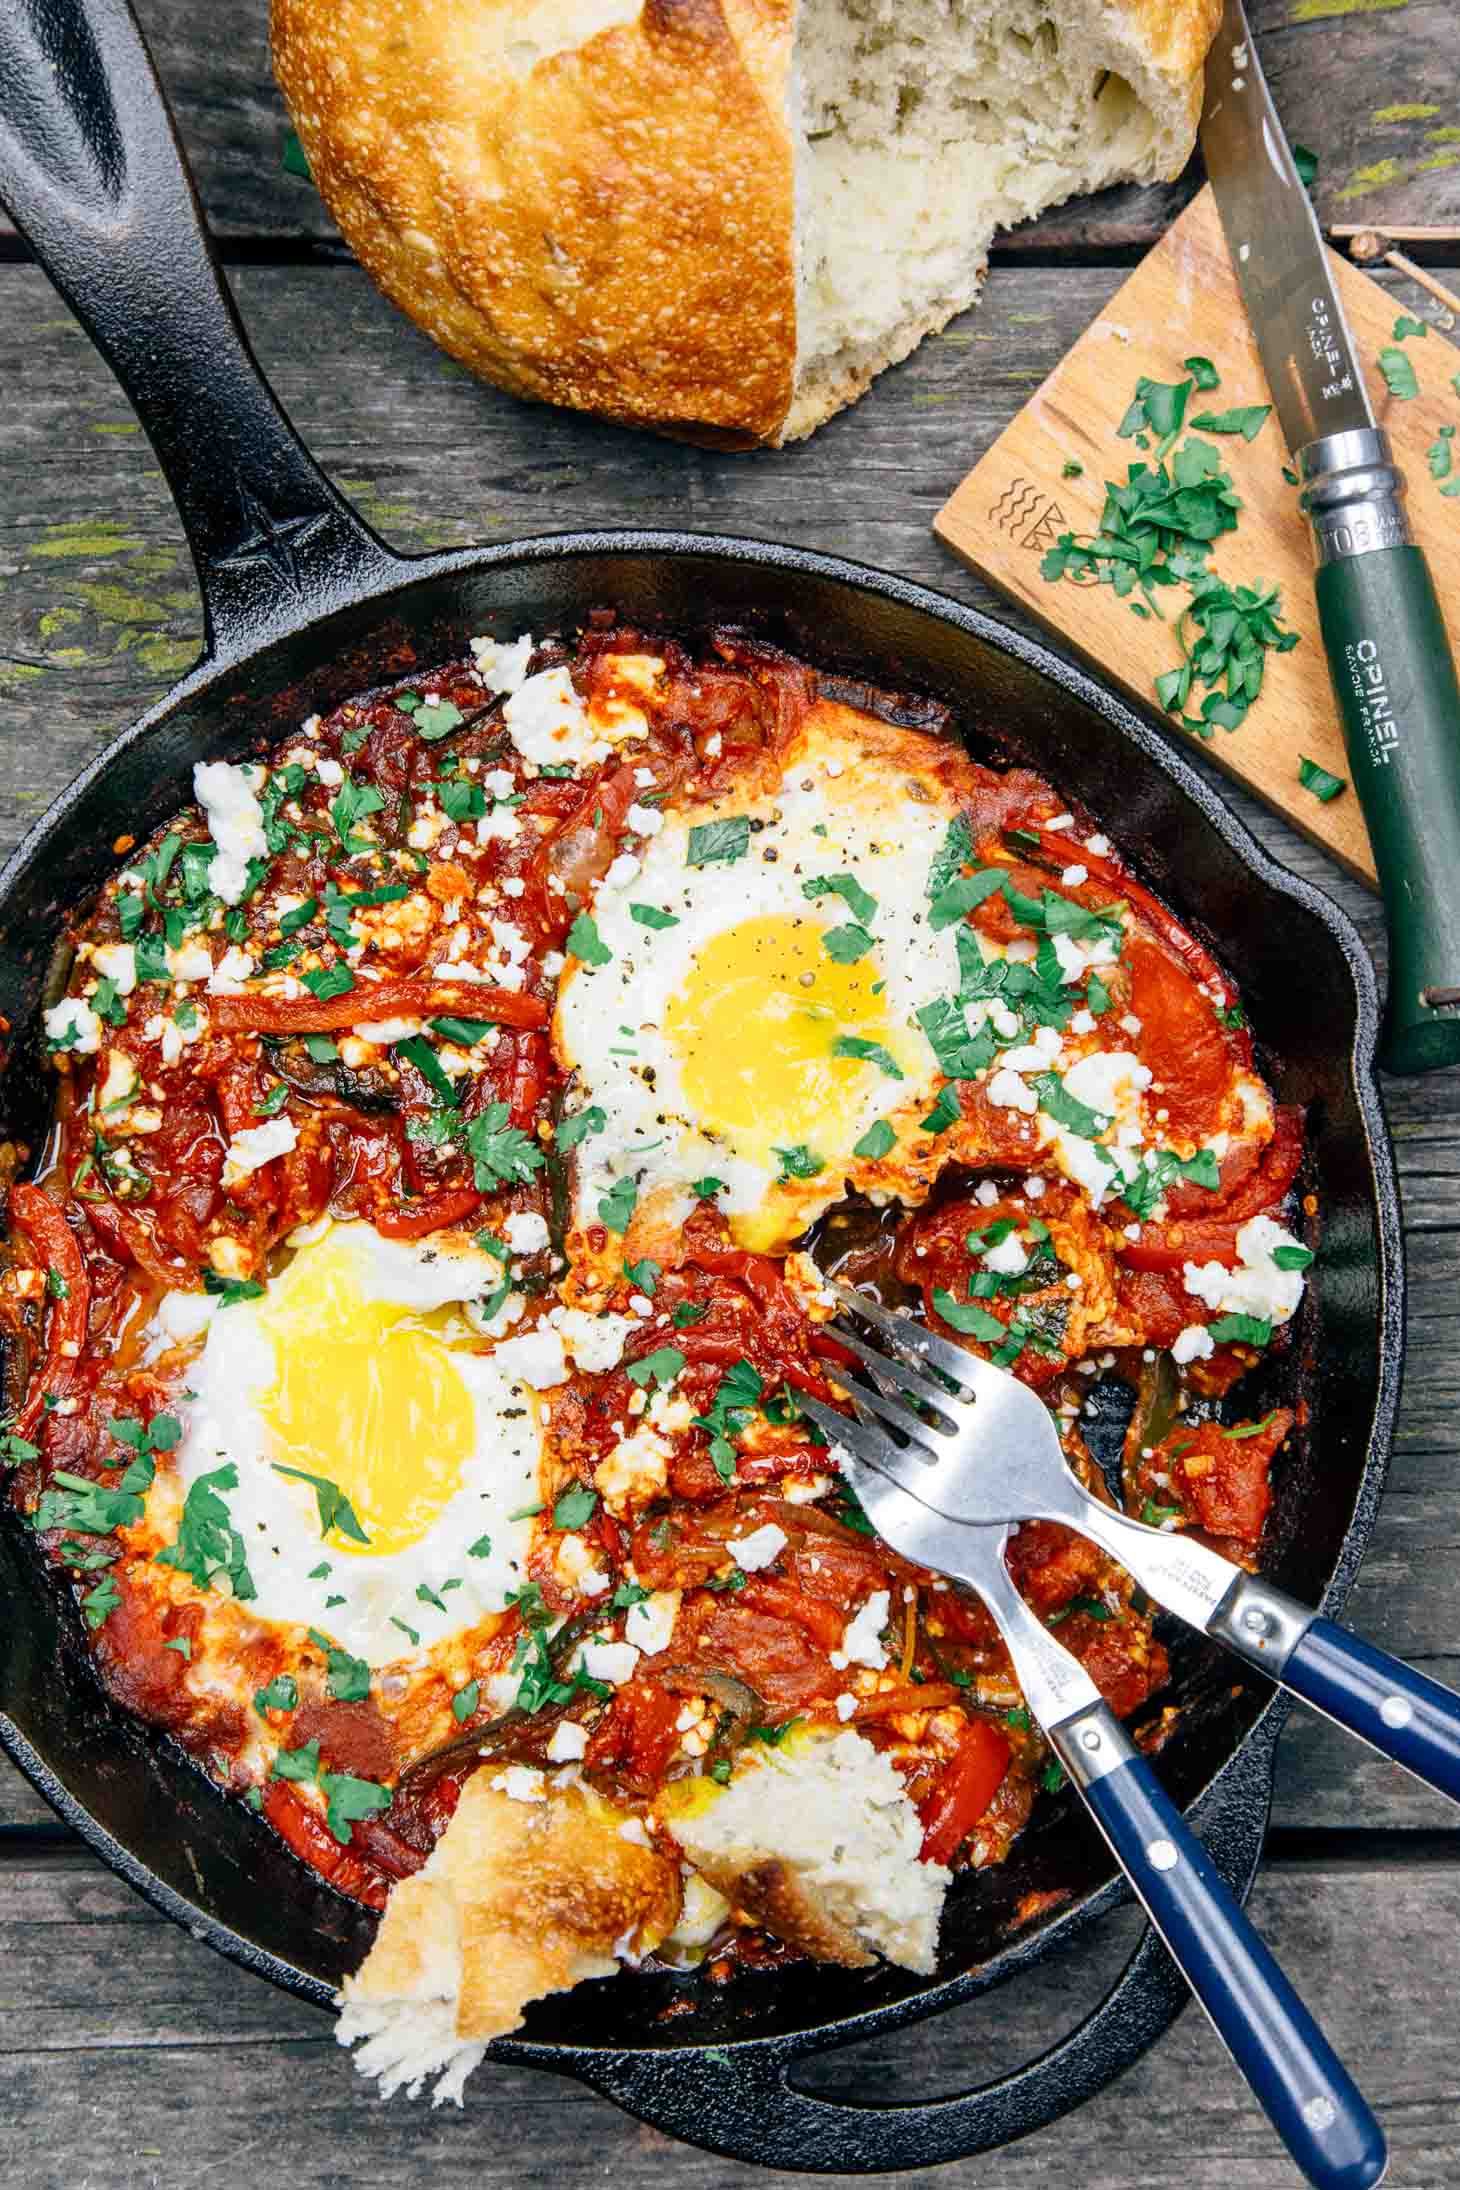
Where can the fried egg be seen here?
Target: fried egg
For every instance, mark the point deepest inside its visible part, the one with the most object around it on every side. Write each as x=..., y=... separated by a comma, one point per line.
x=743, y=1009
x=351, y=1378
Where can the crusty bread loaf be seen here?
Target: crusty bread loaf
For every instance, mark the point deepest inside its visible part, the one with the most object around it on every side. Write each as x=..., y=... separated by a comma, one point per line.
x=719, y=218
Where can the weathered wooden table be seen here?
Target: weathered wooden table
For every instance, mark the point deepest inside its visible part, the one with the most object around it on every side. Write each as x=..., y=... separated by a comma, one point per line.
x=128, y=2055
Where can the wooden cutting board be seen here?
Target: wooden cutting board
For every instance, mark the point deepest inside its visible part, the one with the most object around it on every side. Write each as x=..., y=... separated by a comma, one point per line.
x=1182, y=301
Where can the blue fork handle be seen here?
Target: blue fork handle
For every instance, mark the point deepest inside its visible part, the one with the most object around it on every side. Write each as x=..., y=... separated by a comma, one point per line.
x=1401, y=1713
x=1297, y=2078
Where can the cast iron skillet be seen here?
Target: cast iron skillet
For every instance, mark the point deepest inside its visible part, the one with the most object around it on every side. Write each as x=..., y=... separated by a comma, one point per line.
x=305, y=605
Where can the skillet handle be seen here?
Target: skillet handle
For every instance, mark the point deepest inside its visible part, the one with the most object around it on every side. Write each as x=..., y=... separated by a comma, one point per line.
x=93, y=176
x=739, y=2100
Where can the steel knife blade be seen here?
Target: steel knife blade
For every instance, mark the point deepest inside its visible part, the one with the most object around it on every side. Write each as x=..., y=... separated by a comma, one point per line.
x=1278, y=254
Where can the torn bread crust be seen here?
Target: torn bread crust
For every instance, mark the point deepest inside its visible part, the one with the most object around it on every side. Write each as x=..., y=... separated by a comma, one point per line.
x=717, y=218
x=518, y=1900
x=819, y=1841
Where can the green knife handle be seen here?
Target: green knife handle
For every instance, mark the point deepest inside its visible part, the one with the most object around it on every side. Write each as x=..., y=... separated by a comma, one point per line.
x=1394, y=677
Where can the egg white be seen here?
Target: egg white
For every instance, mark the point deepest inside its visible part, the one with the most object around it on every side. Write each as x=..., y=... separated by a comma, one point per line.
x=277, y=1517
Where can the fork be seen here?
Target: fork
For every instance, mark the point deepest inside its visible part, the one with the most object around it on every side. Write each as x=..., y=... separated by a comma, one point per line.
x=1294, y=2073
x=969, y=1440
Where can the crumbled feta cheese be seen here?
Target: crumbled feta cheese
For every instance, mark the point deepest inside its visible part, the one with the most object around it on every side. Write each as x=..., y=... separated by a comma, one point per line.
x=190, y=962
x=759, y=1548
x=522, y=1783
x=569, y=1740
x=257, y=1145
x=231, y=972
x=1007, y=1091
x=1034, y=1188
x=1192, y=1344
x=1082, y=1022
x=503, y=667
x=846, y=1706
x=648, y=1626
x=1039, y=1054
x=385, y=1031
x=525, y=1232
x=547, y=723
x=117, y=963
x=1257, y=1287
x=1076, y=959
x=121, y=1078
x=621, y=872
x=1099, y=845
x=862, y=1636
x=610, y=1661
x=595, y=1342
x=536, y=1358
x=1008, y=1259
x=235, y=823
x=73, y=1025
x=1059, y=821
x=1100, y=1079
x=644, y=820
x=986, y=1193
x=1074, y=876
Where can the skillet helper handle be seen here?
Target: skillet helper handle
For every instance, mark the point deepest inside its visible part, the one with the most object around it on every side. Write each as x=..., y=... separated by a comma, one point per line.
x=92, y=174
x=1296, y=2077
x=1394, y=678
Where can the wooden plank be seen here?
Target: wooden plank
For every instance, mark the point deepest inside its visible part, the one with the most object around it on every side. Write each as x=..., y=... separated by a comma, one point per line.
x=153, y=2062
x=1371, y=90
x=1018, y=501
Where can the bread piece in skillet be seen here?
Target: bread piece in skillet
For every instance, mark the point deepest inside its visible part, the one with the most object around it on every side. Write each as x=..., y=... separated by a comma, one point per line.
x=527, y=1892
x=717, y=218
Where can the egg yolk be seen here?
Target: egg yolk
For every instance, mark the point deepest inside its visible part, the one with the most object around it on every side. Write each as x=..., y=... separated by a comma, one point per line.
x=365, y=1393
x=756, y=1029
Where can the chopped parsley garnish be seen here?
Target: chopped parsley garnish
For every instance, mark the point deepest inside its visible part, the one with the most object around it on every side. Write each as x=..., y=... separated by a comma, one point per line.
x=719, y=842
x=412, y=1634
x=1203, y=372
x=351, y=803
x=707, y=1188
x=954, y=853
x=962, y=893
x=501, y=1152
x=465, y=1701
x=1067, y=1110
x=1148, y=1183
x=968, y=1317
x=653, y=916
x=798, y=1162
x=1248, y=1429
x=481, y=1549
x=1400, y=377
x=575, y=1506
x=860, y=903
x=876, y=1141
x=298, y=916
x=616, y=1207
x=230, y=1289
x=323, y=982
x=585, y=942
x=280, y=1694
x=418, y=1051
x=686, y=1314
x=297, y=1764
x=321, y=1050
x=662, y=1367
x=1241, y=1330
x=737, y=1395
x=466, y=1033
x=1248, y=419
x=945, y=1111
x=577, y=1128
x=872, y=1053
x=269, y=1106
x=845, y=945
x=644, y=1275
x=98, y=1604
x=207, y=1544
x=334, y=1508
x=1322, y=782
x=347, y=1799
x=1292, y=1258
